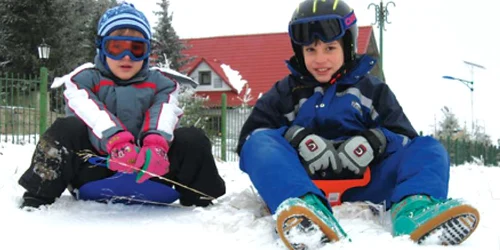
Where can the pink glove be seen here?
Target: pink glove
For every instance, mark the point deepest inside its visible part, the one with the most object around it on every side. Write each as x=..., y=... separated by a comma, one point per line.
x=122, y=152
x=152, y=158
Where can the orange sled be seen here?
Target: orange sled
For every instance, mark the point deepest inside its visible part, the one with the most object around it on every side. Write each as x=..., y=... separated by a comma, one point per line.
x=334, y=189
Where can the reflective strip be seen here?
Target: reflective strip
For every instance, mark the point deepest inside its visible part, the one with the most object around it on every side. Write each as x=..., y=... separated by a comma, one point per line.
x=301, y=102
x=373, y=113
x=319, y=89
x=290, y=116
x=365, y=101
x=405, y=139
x=87, y=109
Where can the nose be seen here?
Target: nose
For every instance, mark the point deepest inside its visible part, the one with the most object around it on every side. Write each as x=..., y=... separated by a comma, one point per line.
x=321, y=57
x=126, y=58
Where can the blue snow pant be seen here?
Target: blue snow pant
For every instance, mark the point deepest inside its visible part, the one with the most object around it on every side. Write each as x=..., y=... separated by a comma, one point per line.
x=420, y=167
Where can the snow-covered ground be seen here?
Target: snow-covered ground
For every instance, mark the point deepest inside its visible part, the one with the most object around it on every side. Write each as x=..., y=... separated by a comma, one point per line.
x=236, y=221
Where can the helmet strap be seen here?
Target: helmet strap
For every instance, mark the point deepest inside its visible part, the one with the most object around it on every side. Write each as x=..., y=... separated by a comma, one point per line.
x=338, y=74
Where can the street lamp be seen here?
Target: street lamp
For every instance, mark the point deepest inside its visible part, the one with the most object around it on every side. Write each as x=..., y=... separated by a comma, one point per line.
x=381, y=14
x=43, y=54
x=43, y=51
x=470, y=86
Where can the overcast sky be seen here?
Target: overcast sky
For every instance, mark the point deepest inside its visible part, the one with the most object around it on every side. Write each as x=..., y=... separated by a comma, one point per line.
x=425, y=40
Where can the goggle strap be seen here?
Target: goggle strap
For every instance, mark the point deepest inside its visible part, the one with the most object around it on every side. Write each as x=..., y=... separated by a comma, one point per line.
x=349, y=20
x=98, y=42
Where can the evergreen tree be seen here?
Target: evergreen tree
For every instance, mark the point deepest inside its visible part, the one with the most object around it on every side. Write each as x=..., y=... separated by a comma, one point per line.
x=74, y=41
x=449, y=126
x=69, y=27
x=479, y=135
x=76, y=38
x=23, y=25
x=167, y=45
x=193, y=107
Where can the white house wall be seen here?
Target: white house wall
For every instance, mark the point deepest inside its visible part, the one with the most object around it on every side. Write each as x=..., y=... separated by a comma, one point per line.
x=204, y=67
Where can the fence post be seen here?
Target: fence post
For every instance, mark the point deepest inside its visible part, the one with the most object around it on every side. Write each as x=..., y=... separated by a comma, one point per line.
x=43, y=100
x=224, y=127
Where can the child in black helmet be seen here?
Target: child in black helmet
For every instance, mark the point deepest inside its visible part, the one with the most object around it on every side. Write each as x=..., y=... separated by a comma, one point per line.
x=328, y=120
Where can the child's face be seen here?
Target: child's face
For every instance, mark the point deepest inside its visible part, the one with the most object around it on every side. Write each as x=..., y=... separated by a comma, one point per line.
x=125, y=68
x=322, y=60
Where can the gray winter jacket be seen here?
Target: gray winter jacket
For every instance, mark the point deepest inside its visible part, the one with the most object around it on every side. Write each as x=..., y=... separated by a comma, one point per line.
x=145, y=104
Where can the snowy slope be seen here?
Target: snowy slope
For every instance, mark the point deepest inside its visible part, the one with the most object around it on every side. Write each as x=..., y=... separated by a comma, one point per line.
x=235, y=222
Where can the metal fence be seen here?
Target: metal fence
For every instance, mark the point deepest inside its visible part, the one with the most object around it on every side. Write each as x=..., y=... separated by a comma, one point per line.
x=224, y=128
x=462, y=151
x=20, y=121
x=20, y=102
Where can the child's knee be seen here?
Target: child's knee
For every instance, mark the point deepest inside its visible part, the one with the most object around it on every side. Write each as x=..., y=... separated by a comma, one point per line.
x=192, y=136
x=430, y=143
x=266, y=136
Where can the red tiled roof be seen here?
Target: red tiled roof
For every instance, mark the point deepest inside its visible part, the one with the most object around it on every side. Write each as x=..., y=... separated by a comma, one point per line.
x=364, y=36
x=259, y=58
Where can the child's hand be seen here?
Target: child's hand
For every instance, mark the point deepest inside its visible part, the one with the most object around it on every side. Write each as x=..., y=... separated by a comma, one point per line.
x=316, y=152
x=356, y=153
x=122, y=152
x=359, y=151
x=152, y=158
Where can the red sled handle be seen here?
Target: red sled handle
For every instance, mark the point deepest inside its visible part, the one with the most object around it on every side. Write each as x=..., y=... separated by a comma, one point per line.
x=334, y=189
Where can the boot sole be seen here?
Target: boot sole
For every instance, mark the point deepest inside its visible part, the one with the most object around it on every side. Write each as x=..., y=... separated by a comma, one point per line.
x=454, y=226
x=295, y=211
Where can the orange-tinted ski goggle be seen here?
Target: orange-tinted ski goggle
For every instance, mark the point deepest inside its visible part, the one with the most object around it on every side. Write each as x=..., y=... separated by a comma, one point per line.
x=117, y=47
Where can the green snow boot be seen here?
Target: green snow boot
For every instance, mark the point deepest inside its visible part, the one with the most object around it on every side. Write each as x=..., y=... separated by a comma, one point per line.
x=449, y=222
x=306, y=223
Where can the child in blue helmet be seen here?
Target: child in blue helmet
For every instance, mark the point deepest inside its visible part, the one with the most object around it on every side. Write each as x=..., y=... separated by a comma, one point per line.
x=331, y=120
x=120, y=109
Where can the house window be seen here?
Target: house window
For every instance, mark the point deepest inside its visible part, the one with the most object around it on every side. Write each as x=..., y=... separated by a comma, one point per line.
x=205, y=77
x=217, y=82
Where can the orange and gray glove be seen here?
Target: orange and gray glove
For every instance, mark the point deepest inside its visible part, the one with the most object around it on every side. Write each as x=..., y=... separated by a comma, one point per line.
x=152, y=158
x=317, y=153
x=359, y=151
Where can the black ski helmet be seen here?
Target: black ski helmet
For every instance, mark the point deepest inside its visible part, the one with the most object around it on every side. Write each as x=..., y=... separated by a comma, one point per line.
x=309, y=11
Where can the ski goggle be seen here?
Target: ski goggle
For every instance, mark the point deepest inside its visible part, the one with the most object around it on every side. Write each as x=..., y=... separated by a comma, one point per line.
x=117, y=47
x=327, y=28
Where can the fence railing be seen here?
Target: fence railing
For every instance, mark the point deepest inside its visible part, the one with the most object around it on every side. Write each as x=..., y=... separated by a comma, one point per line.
x=462, y=151
x=20, y=103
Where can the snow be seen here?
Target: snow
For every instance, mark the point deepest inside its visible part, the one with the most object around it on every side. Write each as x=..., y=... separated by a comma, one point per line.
x=59, y=81
x=234, y=77
x=236, y=221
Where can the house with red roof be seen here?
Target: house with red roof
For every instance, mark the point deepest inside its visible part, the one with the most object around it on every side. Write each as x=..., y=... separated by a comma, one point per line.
x=259, y=59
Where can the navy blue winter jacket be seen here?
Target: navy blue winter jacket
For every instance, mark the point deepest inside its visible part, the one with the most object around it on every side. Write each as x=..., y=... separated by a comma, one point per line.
x=356, y=102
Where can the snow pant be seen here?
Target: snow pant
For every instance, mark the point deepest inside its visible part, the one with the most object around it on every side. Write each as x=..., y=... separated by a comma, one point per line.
x=420, y=167
x=57, y=165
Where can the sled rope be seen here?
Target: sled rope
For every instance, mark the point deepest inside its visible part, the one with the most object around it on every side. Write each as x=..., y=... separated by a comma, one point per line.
x=86, y=155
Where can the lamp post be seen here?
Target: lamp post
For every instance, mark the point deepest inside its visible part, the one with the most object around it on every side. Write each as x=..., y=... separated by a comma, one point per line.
x=470, y=86
x=381, y=14
x=43, y=54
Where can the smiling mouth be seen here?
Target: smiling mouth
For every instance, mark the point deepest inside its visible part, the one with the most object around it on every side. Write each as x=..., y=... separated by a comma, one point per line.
x=322, y=70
